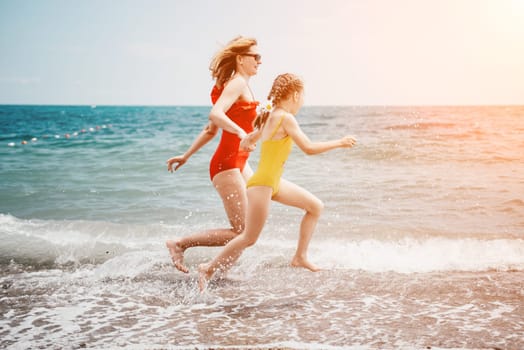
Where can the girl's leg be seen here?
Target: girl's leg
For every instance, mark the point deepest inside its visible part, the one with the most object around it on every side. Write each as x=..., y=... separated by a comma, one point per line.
x=231, y=187
x=296, y=196
x=259, y=199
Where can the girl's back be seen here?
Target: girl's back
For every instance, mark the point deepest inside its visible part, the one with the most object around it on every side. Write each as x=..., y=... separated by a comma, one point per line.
x=275, y=149
x=273, y=129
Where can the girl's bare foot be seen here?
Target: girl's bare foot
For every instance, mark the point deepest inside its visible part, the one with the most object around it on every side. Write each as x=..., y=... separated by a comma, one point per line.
x=203, y=277
x=300, y=262
x=177, y=255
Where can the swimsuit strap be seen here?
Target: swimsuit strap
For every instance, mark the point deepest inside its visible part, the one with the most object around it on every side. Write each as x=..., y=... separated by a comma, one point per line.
x=276, y=128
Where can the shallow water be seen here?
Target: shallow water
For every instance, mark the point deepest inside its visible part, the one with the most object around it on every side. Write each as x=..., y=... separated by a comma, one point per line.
x=422, y=236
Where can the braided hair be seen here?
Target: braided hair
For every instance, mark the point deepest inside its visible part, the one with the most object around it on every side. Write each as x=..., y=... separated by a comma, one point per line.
x=283, y=87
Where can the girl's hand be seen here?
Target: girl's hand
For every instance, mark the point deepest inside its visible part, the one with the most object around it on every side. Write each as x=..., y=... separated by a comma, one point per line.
x=179, y=160
x=348, y=141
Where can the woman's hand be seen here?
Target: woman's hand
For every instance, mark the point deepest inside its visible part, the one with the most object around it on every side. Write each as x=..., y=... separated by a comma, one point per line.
x=179, y=160
x=249, y=142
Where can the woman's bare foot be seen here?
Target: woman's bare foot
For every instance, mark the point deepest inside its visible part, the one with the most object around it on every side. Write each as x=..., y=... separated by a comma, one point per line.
x=301, y=262
x=203, y=276
x=177, y=255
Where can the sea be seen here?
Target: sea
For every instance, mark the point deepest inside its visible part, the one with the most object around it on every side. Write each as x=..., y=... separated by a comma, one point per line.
x=421, y=240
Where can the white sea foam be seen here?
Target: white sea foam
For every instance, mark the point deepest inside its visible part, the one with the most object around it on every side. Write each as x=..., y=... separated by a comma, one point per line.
x=432, y=254
x=133, y=247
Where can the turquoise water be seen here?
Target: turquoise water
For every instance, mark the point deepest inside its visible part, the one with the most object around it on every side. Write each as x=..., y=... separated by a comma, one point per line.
x=422, y=236
x=112, y=173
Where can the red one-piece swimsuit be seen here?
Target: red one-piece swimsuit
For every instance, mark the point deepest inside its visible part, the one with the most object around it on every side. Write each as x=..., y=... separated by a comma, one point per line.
x=228, y=154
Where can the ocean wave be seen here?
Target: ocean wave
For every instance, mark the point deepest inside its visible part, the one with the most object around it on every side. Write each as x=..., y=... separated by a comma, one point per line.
x=56, y=243
x=132, y=247
x=410, y=255
x=421, y=126
x=515, y=202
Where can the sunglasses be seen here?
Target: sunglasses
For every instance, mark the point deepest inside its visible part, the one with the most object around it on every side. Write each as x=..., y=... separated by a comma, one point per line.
x=256, y=56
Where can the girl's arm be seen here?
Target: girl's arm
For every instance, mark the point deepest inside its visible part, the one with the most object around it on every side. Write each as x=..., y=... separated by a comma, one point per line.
x=232, y=91
x=206, y=135
x=292, y=128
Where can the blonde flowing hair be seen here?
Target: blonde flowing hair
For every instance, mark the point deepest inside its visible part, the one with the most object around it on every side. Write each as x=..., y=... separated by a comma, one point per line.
x=223, y=64
x=284, y=86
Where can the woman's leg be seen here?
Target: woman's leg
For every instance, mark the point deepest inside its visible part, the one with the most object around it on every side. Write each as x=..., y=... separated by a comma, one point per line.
x=231, y=187
x=259, y=199
x=296, y=196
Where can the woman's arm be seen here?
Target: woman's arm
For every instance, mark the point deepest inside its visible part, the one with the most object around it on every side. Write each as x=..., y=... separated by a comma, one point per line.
x=292, y=128
x=206, y=135
x=232, y=91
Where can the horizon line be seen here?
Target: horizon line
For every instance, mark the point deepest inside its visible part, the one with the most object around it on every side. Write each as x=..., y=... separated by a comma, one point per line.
x=209, y=105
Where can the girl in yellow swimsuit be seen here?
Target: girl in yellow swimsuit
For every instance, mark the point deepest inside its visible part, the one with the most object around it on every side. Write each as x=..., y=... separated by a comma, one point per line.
x=278, y=129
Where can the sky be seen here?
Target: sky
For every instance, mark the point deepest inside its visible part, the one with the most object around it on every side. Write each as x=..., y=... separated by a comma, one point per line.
x=348, y=52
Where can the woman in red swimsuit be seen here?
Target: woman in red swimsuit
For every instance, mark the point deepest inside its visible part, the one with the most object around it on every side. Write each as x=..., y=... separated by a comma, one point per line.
x=234, y=109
